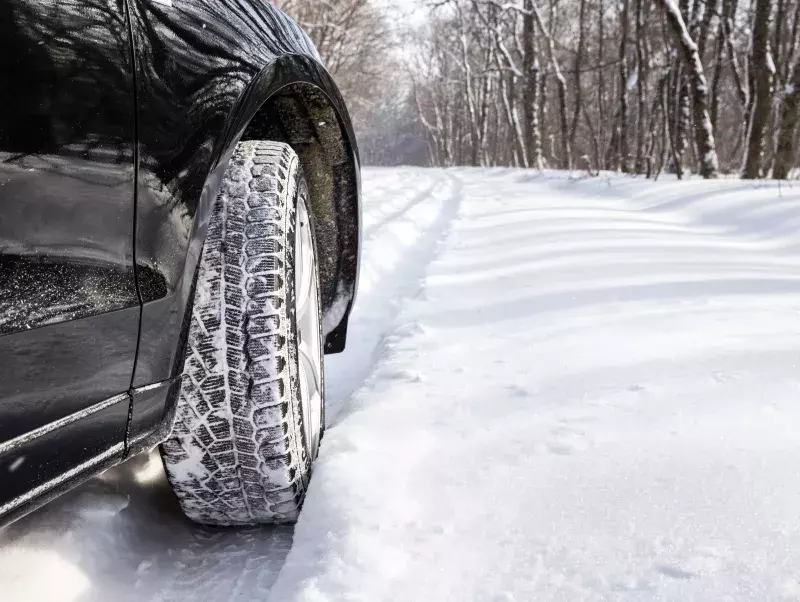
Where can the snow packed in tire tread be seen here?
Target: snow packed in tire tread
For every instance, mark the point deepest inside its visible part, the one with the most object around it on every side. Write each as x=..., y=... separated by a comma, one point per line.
x=238, y=453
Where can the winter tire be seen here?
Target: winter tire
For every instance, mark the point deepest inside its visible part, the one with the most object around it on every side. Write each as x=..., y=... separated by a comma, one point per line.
x=251, y=407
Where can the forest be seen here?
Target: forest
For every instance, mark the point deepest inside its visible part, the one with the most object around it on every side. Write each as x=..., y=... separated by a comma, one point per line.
x=704, y=87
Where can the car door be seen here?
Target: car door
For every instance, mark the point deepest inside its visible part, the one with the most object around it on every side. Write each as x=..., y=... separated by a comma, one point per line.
x=69, y=308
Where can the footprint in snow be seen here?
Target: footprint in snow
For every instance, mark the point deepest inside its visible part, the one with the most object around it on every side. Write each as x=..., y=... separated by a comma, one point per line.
x=675, y=572
x=567, y=441
x=517, y=391
x=704, y=561
x=631, y=583
x=404, y=375
x=723, y=377
x=560, y=449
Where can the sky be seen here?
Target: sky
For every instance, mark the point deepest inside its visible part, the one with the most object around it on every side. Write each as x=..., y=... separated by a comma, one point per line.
x=413, y=9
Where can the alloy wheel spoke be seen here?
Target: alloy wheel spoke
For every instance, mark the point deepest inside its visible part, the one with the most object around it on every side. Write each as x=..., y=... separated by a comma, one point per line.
x=307, y=316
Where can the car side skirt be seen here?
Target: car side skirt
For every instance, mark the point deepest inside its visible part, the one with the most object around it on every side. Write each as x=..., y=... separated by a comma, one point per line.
x=41, y=465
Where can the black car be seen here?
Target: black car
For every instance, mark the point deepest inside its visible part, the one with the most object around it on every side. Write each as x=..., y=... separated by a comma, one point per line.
x=179, y=245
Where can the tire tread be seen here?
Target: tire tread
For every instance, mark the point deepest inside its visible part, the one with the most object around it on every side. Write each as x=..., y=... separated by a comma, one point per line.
x=237, y=455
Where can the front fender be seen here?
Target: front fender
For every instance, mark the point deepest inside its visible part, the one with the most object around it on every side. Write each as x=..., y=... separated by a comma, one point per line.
x=266, y=110
x=206, y=71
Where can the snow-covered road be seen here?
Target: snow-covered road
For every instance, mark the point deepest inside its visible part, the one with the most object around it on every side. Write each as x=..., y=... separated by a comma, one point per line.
x=555, y=389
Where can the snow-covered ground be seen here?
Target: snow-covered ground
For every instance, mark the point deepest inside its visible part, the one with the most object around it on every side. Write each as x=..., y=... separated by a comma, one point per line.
x=555, y=389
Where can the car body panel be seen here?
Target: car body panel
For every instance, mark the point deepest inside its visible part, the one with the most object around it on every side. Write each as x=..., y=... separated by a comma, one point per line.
x=31, y=465
x=55, y=371
x=204, y=69
x=66, y=161
x=69, y=307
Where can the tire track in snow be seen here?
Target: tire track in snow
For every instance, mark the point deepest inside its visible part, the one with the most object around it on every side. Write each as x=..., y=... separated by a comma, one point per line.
x=370, y=231
x=395, y=257
x=218, y=565
x=565, y=430
x=122, y=537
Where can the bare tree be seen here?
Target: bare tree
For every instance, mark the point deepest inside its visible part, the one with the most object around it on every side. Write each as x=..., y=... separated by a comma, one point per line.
x=762, y=82
x=561, y=82
x=603, y=85
x=622, y=153
x=642, y=74
x=687, y=49
x=577, y=66
x=785, y=153
x=530, y=109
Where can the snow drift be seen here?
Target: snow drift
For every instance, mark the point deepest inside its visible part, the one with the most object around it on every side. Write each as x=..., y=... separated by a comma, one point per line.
x=556, y=389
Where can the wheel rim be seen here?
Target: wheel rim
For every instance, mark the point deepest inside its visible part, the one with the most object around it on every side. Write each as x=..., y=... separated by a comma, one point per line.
x=308, y=331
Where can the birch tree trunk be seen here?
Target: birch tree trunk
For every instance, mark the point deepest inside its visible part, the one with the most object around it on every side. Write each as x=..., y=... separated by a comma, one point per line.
x=465, y=65
x=763, y=70
x=642, y=73
x=787, y=116
x=728, y=18
x=719, y=55
x=530, y=109
x=511, y=122
x=711, y=9
x=561, y=84
x=687, y=50
x=578, y=65
x=622, y=151
x=601, y=84
x=790, y=115
x=681, y=98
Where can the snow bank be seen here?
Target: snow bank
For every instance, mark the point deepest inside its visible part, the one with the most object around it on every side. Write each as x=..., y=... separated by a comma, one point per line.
x=594, y=396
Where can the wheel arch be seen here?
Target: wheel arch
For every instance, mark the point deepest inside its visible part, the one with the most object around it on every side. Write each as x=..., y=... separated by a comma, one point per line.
x=295, y=101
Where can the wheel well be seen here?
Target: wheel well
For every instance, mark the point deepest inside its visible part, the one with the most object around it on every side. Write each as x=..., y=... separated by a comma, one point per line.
x=303, y=117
